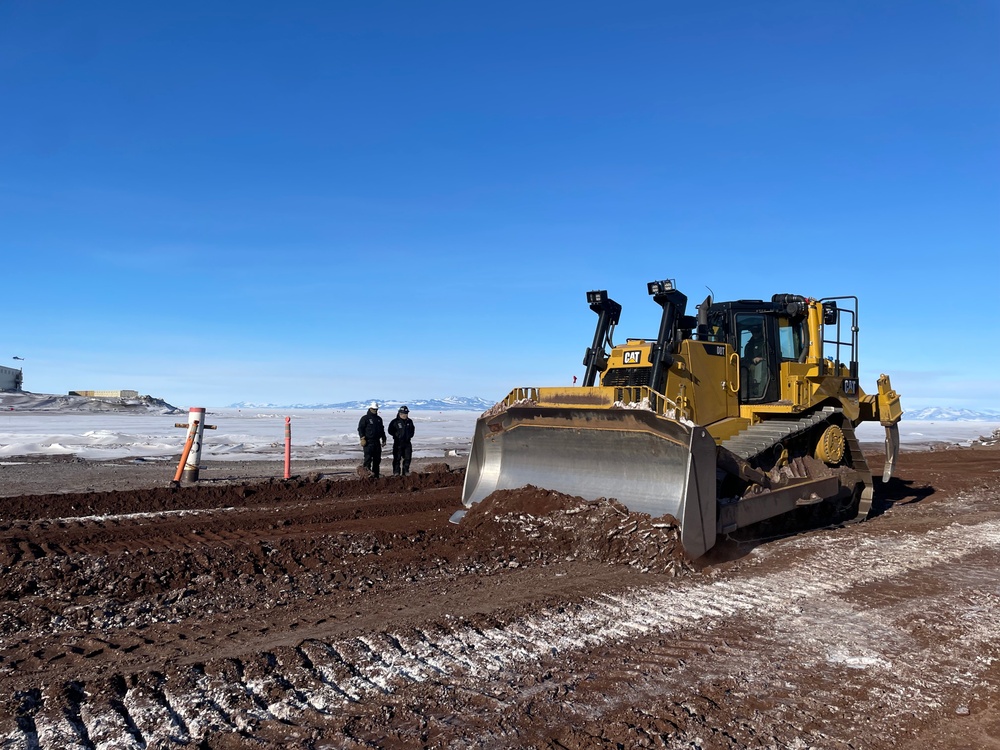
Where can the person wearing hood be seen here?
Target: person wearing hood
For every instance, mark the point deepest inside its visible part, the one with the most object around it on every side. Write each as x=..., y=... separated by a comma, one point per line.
x=372, y=434
x=401, y=429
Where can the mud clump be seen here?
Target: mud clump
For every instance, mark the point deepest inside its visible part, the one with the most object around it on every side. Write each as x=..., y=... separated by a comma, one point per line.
x=535, y=524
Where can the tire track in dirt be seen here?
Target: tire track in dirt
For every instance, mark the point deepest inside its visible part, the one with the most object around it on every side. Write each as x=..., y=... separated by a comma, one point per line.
x=689, y=622
x=800, y=623
x=729, y=665
x=161, y=572
x=110, y=534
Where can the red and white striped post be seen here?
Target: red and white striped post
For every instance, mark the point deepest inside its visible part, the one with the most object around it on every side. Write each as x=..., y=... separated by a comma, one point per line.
x=196, y=420
x=288, y=447
x=192, y=431
x=187, y=469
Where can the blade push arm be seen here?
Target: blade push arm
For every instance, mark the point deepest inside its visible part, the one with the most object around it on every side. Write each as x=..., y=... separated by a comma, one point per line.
x=608, y=312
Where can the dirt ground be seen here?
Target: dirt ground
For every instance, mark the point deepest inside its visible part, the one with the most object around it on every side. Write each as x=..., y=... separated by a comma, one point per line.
x=332, y=611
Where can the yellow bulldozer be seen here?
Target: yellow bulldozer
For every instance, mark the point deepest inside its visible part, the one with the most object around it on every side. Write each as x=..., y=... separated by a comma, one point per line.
x=742, y=413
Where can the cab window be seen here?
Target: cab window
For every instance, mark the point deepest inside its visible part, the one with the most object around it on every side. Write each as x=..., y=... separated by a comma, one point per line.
x=791, y=338
x=747, y=327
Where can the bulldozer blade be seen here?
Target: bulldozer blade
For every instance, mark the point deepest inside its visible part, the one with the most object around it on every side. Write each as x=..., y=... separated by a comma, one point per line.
x=648, y=463
x=891, y=450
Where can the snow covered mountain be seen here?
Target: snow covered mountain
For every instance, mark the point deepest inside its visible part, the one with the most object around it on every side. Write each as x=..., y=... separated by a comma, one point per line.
x=449, y=403
x=951, y=414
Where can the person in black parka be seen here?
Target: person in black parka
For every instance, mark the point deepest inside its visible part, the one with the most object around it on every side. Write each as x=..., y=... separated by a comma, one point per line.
x=372, y=434
x=401, y=429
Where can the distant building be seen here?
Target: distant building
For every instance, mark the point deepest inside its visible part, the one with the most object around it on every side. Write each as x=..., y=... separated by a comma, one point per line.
x=106, y=394
x=10, y=379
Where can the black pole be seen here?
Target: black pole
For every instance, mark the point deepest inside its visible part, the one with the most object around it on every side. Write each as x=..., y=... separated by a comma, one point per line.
x=608, y=312
x=673, y=304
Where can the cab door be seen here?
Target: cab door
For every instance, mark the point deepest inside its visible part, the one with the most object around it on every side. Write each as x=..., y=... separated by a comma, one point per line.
x=756, y=346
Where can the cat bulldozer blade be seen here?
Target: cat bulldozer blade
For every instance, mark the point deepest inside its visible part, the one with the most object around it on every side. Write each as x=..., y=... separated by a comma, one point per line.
x=740, y=414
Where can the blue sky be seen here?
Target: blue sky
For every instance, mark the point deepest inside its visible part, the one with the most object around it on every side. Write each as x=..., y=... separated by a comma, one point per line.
x=315, y=202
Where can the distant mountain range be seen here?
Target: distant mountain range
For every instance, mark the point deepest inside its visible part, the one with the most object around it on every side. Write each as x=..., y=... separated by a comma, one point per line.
x=450, y=403
x=474, y=403
x=43, y=402
x=951, y=414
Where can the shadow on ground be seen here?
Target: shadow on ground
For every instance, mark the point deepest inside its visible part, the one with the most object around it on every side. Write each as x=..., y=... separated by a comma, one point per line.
x=898, y=492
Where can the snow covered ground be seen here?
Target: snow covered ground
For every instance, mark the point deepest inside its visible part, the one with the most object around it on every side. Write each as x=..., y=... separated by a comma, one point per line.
x=921, y=435
x=316, y=433
x=240, y=434
x=96, y=430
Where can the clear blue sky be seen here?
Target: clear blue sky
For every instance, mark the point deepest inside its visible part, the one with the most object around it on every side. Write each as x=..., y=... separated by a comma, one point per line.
x=315, y=202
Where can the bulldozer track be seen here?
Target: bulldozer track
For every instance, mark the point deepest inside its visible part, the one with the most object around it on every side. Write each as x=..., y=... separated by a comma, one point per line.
x=759, y=438
x=754, y=442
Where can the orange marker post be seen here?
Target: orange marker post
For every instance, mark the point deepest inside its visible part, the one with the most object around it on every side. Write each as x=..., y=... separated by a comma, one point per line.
x=288, y=447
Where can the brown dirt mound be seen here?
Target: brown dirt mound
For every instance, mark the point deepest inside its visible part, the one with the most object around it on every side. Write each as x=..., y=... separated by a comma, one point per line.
x=531, y=523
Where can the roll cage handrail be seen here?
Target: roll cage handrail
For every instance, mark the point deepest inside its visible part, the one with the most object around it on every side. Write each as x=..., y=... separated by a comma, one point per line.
x=839, y=341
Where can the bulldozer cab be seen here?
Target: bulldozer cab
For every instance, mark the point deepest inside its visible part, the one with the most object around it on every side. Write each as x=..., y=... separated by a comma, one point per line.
x=761, y=338
x=763, y=335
